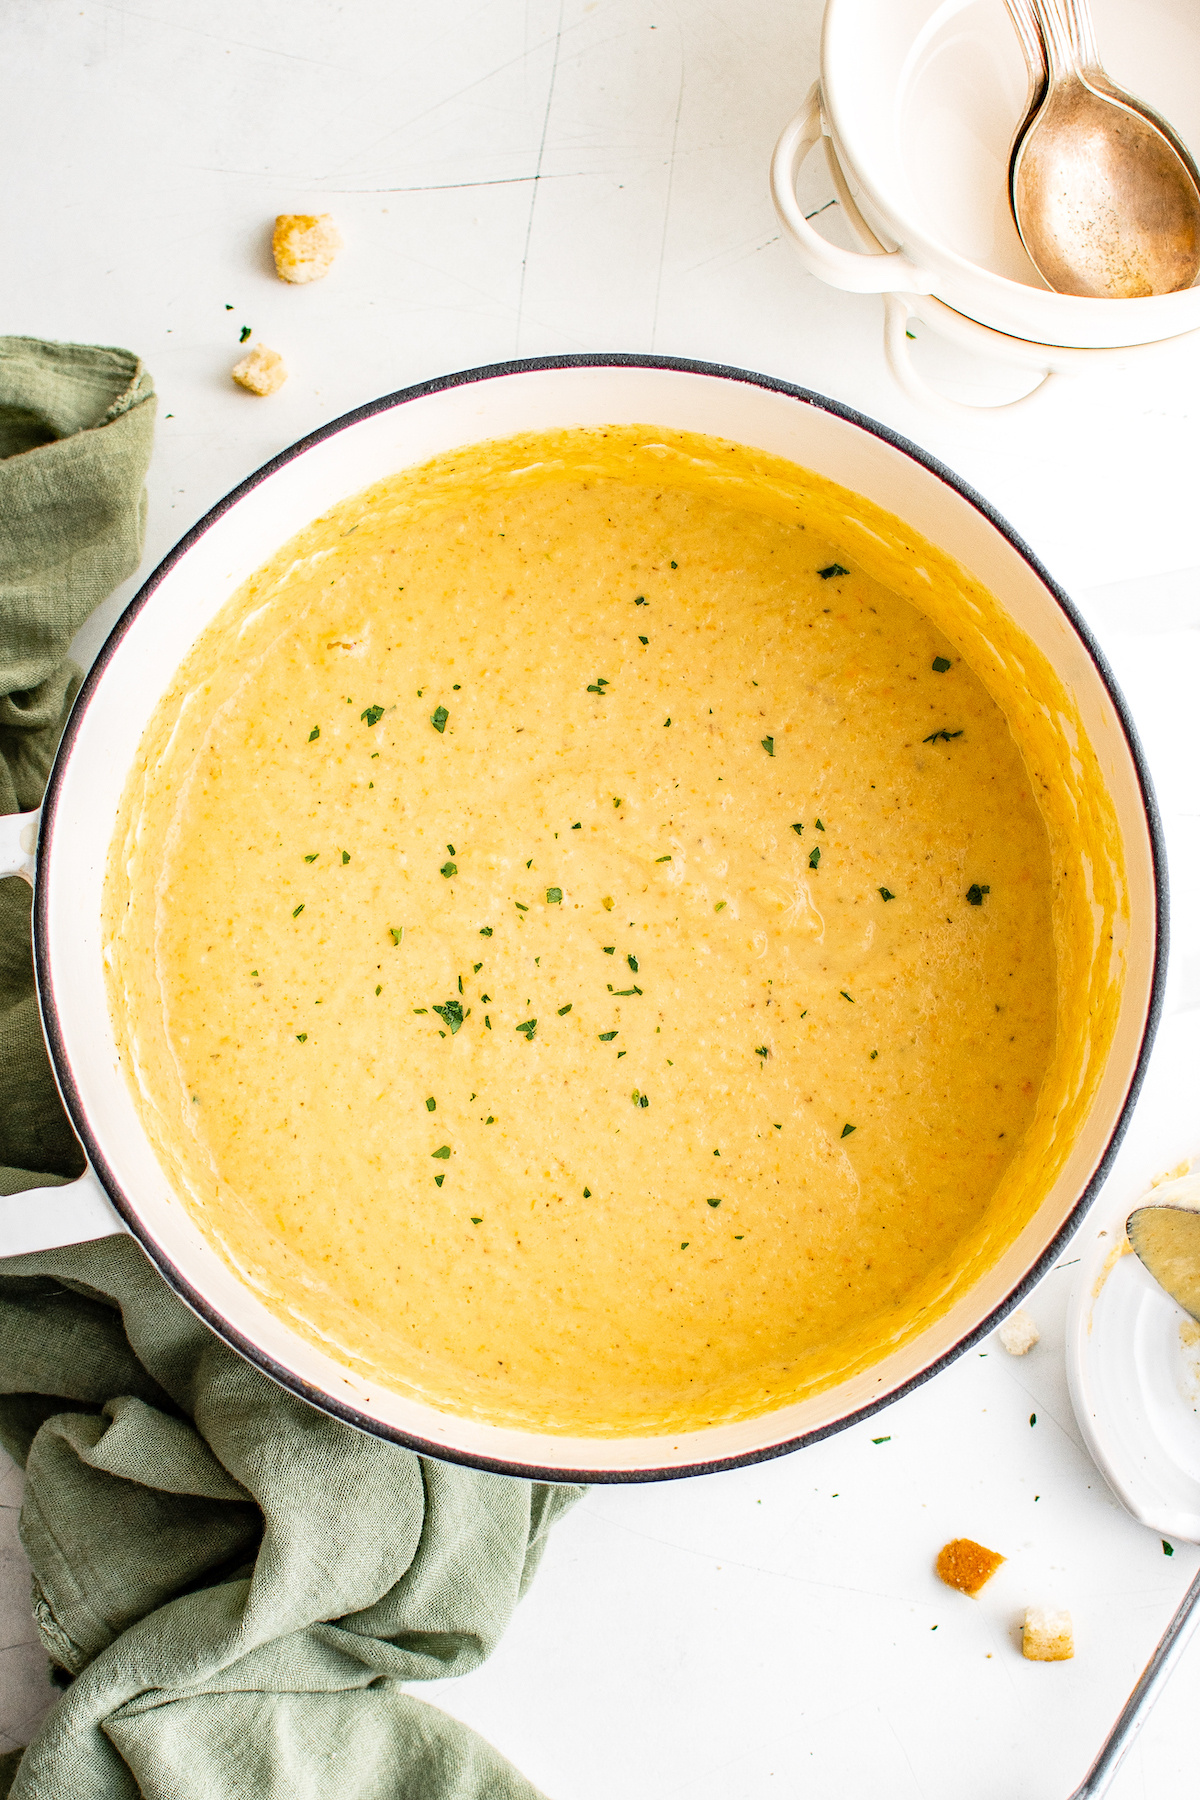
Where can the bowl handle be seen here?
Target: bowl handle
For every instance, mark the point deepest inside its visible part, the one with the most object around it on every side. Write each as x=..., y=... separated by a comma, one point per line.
x=850, y=270
x=896, y=314
x=44, y=1218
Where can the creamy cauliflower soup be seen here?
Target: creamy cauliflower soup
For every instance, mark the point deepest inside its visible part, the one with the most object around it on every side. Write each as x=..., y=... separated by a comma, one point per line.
x=587, y=936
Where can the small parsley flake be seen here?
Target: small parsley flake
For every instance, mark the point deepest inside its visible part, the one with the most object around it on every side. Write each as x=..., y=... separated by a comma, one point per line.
x=302, y=1037
x=940, y=664
x=886, y=894
x=609, y=949
x=945, y=735
x=485, y=931
x=674, y=565
x=477, y=1218
x=846, y=996
x=883, y=1440
x=819, y=825
x=762, y=1051
x=345, y=857
x=833, y=569
x=577, y=826
x=714, y=1202
x=1168, y=1549
x=254, y=972
x=768, y=744
x=378, y=990
x=565, y=1009
x=659, y=859
x=439, y=1179
x=606, y=1037
x=243, y=334
x=451, y=1011
x=297, y=910
x=642, y=640
x=641, y=600
x=420, y=1009
x=814, y=856
x=1033, y=1418
x=475, y=968
x=529, y=1027
x=448, y=869
x=685, y=1243
x=396, y=933
x=442, y=1154
x=431, y=1104
x=438, y=719
x=553, y=896
x=798, y=829
x=975, y=893
x=633, y=963
x=847, y=1129
x=666, y=722
x=598, y=686
x=720, y=906
x=372, y=715
x=313, y=857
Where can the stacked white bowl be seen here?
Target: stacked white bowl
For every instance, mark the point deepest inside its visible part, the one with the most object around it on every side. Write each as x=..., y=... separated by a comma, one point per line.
x=917, y=102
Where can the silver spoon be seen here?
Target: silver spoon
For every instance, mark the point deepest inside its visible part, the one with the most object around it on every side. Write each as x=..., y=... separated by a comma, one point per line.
x=1105, y=195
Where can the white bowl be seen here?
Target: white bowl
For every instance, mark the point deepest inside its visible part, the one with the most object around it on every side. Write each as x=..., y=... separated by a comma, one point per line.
x=920, y=99
x=139, y=662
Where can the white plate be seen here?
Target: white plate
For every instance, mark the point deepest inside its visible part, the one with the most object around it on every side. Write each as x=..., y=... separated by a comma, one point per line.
x=1135, y=1376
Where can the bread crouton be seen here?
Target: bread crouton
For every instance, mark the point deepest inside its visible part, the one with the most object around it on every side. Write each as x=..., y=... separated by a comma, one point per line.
x=966, y=1565
x=263, y=371
x=1047, y=1635
x=304, y=246
x=1018, y=1334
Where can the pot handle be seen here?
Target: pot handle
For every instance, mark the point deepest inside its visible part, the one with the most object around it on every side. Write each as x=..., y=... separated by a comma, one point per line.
x=45, y=1218
x=896, y=314
x=851, y=270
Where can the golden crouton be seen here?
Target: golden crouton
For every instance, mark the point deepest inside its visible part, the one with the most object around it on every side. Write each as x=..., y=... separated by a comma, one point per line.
x=1018, y=1334
x=1047, y=1636
x=966, y=1565
x=304, y=246
x=263, y=371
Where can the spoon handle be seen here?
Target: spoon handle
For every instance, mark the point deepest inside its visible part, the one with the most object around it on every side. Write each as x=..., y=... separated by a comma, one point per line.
x=1059, y=22
x=1029, y=32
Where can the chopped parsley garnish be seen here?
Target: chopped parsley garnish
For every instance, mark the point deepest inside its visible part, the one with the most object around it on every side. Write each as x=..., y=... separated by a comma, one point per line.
x=254, y=972
x=475, y=968
x=762, y=1051
x=944, y=735
x=431, y=1104
x=720, y=906
x=486, y=999
x=528, y=1027
x=448, y=869
x=378, y=990
x=420, y=1009
x=666, y=722
x=815, y=856
x=606, y=1037
x=485, y=931
x=1033, y=1418
x=607, y=903
x=442, y=1154
x=314, y=734
x=520, y=907
x=452, y=850
x=714, y=1202
x=798, y=829
x=297, y=910
x=1168, y=1549
x=490, y=1120
x=609, y=949
x=372, y=715
x=642, y=640
x=846, y=996
x=882, y=1440
x=313, y=857
x=623, y=993
x=452, y=1013
x=685, y=1243
x=633, y=963
x=886, y=894
x=640, y=1099
x=874, y=1054
x=587, y=1193
x=975, y=893
x=940, y=664
x=244, y=333
x=345, y=857
x=819, y=825
x=674, y=565
x=529, y=864
x=460, y=985
x=487, y=1021
x=768, y=744
x=302, y=1037
x=640, y=601
x=577, y=826
x=659, y=859
x=553, y=896
x=396, y=933
x=598, y=686
x=847, y=1129
x=438, y=719
x=565, y=1009
x=439, y=1179
x=476, y=1219
x=833, y=569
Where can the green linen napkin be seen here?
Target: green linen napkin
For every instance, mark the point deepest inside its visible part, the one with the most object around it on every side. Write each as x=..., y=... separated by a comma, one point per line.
x=234, y=1586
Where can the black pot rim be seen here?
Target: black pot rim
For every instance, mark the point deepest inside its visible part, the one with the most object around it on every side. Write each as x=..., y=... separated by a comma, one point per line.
x=73, y=1098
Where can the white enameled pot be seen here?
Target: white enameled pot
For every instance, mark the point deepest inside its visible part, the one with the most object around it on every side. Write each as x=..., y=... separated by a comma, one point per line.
x=125, y=1188
x=917, y=102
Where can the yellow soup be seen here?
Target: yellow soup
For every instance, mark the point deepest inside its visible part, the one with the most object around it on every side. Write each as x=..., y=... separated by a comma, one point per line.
x=588, y=933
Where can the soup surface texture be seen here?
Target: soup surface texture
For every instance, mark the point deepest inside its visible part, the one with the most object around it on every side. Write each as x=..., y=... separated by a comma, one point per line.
x=585, y=948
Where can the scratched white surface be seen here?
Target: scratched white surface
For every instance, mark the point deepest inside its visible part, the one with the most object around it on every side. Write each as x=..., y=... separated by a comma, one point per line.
x=527, y=176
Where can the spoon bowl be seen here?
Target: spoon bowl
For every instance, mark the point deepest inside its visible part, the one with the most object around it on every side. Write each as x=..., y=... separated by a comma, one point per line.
x=1105, y=195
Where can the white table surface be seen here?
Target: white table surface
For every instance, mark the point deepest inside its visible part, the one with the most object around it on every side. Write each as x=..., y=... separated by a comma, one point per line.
x=515, y=177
